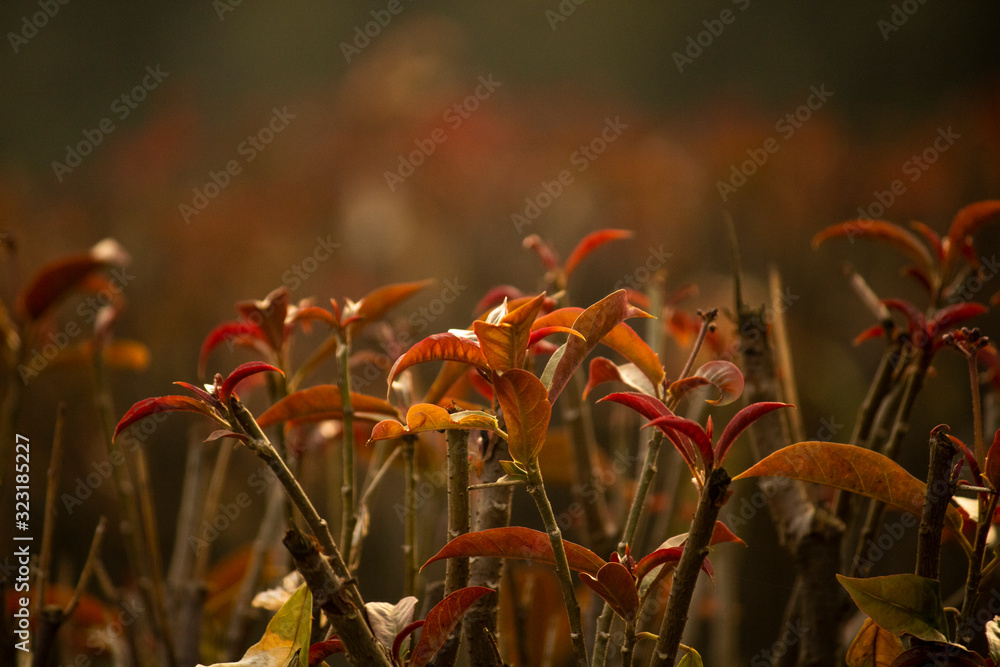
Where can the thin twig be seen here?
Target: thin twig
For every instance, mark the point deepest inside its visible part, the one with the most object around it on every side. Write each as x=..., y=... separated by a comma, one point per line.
x=48, y=528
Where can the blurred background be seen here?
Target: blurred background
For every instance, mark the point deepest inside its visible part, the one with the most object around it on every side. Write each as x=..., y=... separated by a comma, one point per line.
x=232, y=148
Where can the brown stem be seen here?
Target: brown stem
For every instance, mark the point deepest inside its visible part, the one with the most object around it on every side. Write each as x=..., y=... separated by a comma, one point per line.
x=48, y=528
x=713, y=494
x=936, y=499
x=329, y=594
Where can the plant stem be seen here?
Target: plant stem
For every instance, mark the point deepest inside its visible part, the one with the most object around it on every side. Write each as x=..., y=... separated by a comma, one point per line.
x=457, y=569
x=261, y=446
x=695, y=551
x=536, y=488
x=410, y=518
x=348, y=621
x=48, y=527
x=936, y=499
x=628, y=645
x=492, y=511
x=349, y=517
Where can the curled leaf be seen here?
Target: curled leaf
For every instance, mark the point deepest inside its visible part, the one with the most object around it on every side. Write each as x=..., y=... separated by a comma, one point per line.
x=441, y=347
x=604, y=370
x=441, y=620
x=429, y=417
x=240, y=373
x=590, y=243
x=726, y=377
x=151, y=406
x=615, y=586
x=880, y=230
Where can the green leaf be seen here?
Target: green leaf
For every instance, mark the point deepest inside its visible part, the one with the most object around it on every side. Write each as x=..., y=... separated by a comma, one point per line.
x=691, y=658
x=286, y=639
x=901, y=603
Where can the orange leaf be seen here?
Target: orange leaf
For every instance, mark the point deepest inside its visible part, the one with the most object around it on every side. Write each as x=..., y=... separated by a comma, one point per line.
x=873, y=646
x=240, y=373
x=440, y=347
x=615, y=586
x=378, y=302
x=323, y=402
x=965, y=223
x=604, y=370
x=526, y=410
x=430, y=417
x=130, y=354
x=243, y=333
x=590, y=243
x=850, y=468
x=900, y=237
x=521, y=543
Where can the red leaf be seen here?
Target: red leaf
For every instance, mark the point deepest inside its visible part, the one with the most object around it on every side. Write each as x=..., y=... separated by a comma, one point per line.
x=403, y=634
x=310, y=314
x=319, y=651
x=590, y=243
x=518, y=542
x=615, y=585
x=721, y=533
x=441, y=620
x=377, y=303
x=952, y=315
x=55, y=280
x=543, y=249
x=239, y=374
x=152, y=406
x=243, y=333
x=440, y=347
x=526, y=410
x=970, y=458
x=691, y=429
x=269, y=315
x=740, y=421
x=200, y=393
x=652, y=408
x=932, y=237
x=914, y=318
x=544, y=332
x=881, y=230
x=323, y=402
x=658, y=557
x=876, y=331
x=965, y=223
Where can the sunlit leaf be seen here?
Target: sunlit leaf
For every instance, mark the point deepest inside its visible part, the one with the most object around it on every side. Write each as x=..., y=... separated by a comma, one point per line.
x=240, y=373
x=430, y=417
x=323, y=402
x=55, y=280
x=740, y=421
x=495, y=296
x=600, y=323
x=377, y=303
x=615, y=586
x=441, y=620
x=286, y=636
x=521, y=543
x=881, y=230
x=993, y=638
x=873, y=647
x=544, y=332
x=850, y=468
x=526, y=411
x=590, y=243
x=151, y=406
x=726, y=377
x=604, y=370
x=900, y=603
x=440, y=347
